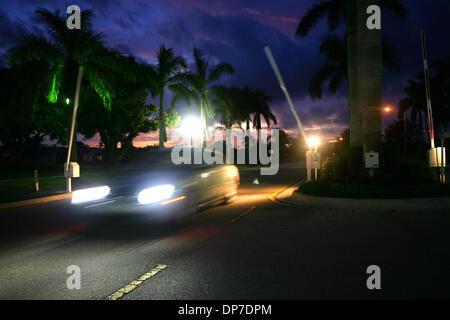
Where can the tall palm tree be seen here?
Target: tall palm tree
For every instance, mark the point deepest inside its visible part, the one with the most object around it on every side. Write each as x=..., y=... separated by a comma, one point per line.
x=360, y=59
x=369, y=77
x=262, y=110
x=200, y=87
x=440, y=91
x=224, y=105
x=169, y=73
x=334, y=71
x=245, y=104
x=415, y=102
x=67, y=51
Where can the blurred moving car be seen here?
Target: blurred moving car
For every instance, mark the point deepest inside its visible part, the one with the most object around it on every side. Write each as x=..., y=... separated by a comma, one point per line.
x=173, y=192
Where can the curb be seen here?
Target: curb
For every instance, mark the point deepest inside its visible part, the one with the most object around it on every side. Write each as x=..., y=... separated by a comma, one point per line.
x=378, y=205
x=30, y=202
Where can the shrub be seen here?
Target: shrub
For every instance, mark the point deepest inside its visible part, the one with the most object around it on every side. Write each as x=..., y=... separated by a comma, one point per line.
x=335, y=169
x=391, y=158
x=394, y=170
x=355, y=162
x=413, y=172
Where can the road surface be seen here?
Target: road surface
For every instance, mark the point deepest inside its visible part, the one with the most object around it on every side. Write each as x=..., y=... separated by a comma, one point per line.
x=252, y=248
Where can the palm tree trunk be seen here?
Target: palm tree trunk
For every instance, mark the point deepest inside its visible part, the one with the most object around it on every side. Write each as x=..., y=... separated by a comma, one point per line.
x=258, y=128
x=74, y=153
x=352, y=68
x=227, y=134
x=72, y=145
x=370, y=67
x=203, y=120
x=420, y=132
x=162, y=126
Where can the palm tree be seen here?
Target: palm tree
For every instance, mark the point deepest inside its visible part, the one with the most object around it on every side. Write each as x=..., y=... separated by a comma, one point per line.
x=224, y=105
x=200, y=87
x=440, y=91
x=335, y=70
x=169, y=73
x=245, y=104
x=67, y=51
x=262, y=109
x=416, y=102
x=364, y=92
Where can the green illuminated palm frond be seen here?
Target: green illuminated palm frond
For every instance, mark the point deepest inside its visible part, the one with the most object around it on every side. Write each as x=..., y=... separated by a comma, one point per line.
x=99, y=82
x=56, y=82
x=64, y=47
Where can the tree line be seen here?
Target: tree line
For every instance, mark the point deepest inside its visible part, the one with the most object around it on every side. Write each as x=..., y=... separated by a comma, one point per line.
x=38, y=87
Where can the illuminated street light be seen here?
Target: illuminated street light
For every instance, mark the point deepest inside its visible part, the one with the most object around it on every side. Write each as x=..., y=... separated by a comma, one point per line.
x=192, y=126
x=388, y=109
x=313, y=158
x=313, y=143
x=67, y=101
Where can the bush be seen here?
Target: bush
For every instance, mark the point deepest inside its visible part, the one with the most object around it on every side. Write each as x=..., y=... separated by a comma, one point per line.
x=335, y=169
x=413, y=172
x=348, y=167
x=355, y=162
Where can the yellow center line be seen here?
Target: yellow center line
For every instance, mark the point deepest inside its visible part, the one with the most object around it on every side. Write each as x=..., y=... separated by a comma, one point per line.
x=135, y=283
x=243, y=214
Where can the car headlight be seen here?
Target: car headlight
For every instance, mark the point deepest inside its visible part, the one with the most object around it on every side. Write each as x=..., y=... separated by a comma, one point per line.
x=91, y=194
x=156, y=194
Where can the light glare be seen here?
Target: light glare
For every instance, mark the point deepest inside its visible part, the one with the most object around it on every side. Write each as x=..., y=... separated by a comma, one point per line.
x=156, y=194
x=91, y=194
x=192, y=126
x=313, y=142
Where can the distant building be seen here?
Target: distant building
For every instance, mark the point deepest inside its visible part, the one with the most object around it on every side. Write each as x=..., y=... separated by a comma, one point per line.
x=95, y=155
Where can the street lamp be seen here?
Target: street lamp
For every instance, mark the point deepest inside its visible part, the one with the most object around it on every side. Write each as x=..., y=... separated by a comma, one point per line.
x=313, y=159
x=192, y=126
x=67, y=101
x=313, y=143
x=74, y=172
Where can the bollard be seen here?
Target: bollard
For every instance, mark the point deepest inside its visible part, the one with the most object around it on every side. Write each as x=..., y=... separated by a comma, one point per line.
x=36, y=180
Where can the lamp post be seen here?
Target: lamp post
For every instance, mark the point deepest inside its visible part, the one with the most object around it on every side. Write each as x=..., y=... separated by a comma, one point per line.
x=313, y=160
x=72, y=128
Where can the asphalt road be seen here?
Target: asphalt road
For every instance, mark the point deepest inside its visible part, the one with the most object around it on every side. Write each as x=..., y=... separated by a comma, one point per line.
x=251, y=248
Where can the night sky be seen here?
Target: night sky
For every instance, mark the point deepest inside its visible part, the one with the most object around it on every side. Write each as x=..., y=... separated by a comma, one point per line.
x=236, y=31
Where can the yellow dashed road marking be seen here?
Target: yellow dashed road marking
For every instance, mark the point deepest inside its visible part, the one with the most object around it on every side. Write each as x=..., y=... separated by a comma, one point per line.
x=243, y=214
x=134, y=284
x=273, y=196
x=274, y=199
